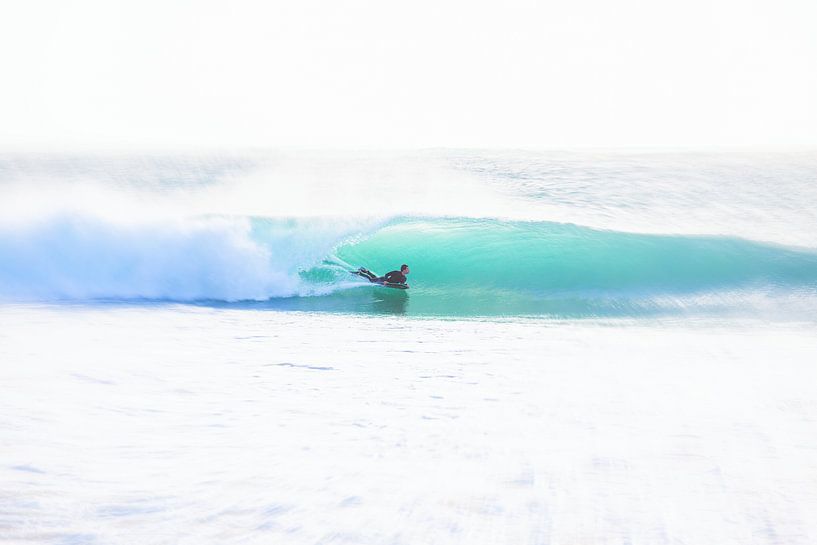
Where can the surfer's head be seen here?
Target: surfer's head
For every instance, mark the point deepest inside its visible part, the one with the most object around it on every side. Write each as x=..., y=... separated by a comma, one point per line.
x=404, y=269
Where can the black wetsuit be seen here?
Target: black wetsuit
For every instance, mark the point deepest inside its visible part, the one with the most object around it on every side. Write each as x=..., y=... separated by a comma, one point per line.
x=393, y=277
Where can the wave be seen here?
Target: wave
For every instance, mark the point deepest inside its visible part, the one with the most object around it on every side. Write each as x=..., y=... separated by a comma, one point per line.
x=459, y=266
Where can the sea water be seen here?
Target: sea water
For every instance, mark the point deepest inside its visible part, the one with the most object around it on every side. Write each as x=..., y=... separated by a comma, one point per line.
x=595, y=348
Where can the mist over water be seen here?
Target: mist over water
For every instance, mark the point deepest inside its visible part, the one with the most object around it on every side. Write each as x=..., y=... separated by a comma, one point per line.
x=486, y=233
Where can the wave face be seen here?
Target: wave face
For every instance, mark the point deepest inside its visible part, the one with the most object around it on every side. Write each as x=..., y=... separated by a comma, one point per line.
x=473, y=266
x=255, y=244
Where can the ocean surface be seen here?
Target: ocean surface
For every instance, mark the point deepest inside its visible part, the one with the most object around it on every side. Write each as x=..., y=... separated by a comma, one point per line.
x=607, y=348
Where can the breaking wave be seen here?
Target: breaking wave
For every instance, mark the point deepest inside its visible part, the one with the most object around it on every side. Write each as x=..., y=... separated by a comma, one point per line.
x=460, y=266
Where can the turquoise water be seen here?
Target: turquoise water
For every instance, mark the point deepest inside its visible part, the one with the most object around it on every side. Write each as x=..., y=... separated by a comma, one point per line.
x=468, y=266
x=485, y=233
x=473, y=267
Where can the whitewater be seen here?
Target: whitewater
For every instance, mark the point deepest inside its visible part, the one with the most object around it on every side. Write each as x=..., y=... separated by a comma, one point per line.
x=596, y=347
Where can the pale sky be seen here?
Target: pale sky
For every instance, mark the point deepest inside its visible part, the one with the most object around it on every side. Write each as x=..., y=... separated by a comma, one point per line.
x=379, y=74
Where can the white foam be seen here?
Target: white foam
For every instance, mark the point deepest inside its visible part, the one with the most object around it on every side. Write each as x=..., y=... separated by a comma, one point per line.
x=81, y=257
x=168, y=425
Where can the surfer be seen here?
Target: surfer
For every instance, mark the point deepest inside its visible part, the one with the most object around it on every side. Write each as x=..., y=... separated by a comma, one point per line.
x=393, y=277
